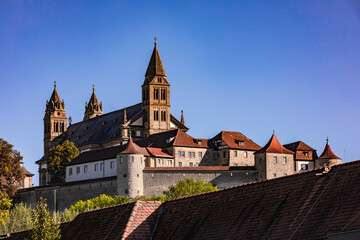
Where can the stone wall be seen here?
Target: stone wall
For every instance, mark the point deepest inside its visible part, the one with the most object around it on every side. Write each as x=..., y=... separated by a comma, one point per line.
x=64, y=195
x=158, y=181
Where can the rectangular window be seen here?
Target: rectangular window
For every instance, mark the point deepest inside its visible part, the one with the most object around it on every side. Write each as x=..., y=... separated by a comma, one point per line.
x=85, y=169
x=96, y=167
x=325, y=164
x=200, y=154
x=121, y=160
x=215, y=155
x=193, y=154
x=179, y=153
x=183, y=153
x=275, y=159
x=189, y=154
x=160, y=161
x=77, y=170
x=224, y=154
x=180, y=164
x=169, y=162
x=70, y=171
x=197, y=164
x=235, y=153
x=245, y=154
x=112, y=164
x=131, y=159
x=284, y=160
x=306, y=154
x=304, y=167
x=235, y=165
x=101, y=166
x=191, y=164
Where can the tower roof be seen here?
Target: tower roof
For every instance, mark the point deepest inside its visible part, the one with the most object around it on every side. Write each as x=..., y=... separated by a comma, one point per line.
x=93, y=99
x=155, y=67
x=55, y=95
x=328, y=153
x=133, y=148
x=274, y=146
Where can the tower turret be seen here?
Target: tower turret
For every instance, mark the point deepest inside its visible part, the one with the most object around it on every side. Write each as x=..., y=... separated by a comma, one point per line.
x=55, y=120
x=93, y=108
x=327, y=158
x=156, y=96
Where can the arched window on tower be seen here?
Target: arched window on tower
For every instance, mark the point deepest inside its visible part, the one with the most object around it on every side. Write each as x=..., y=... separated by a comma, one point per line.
x=156, y=93
x=163, y=115
x=163, y=94
x=156, y=115
x=56, y=127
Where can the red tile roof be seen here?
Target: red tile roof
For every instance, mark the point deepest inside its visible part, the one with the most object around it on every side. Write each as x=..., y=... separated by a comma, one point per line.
x=328, y=153
x=202, y=168
x=133, y=148
x=299, y=148
x=158, y=152
x=236, y=140
x=274, y=146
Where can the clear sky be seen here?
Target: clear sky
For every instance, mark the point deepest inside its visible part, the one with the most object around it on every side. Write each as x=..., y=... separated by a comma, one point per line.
x=248, y=66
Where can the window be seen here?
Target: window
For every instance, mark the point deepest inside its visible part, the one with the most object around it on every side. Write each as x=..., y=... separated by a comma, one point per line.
x=163, y=116
x=85, y=169
x=235, y=165
x=160, y=161
x=169, y=162
x=189, y=154
x=70, y=171
x=275, y=159
x=180, y=164
x=126, y=191
x=77, y=170
x=304, y=167
x=156, y=115
x=131, y=159
x=200, y=154
x=206, y=156
x=215, y=155
x=179, y=153
x=274, y=174
x=197, y=164
x=159, y=79
x=156, y=93
x=224, y=154
x=284, y=160
x=101, y=166
x=306, y=154
x=193, y=154
x=191, y=164
x=112, y=164
x=124, y=175
x=183, y=153
x=235, y=153
x=96, y=167
x=245, y=154
x=325, y=164
x=121, y=160
x=163, y=94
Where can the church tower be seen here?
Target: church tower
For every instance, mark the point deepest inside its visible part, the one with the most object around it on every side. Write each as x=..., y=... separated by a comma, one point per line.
x=156, y=96
x=93, y=108
x=55, y=120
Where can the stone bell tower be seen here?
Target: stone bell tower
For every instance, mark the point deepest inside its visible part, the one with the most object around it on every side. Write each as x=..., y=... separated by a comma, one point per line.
x=156, y=96
x=55, y=120
x=93, y=108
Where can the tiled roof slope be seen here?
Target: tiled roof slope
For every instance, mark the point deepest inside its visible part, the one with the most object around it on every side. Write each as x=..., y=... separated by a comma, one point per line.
x=142, y=220
x=232, y=140
x=328, y=153
x=97, y=155
x=98, y=130
x=133, y=148
x=300, y=206
x=158, y=152
x=155, y=66
x=274, y=146
x=299, y=145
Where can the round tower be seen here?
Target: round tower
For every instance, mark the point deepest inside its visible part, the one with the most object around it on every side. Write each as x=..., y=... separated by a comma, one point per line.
x=327, y=158
x=131, y=163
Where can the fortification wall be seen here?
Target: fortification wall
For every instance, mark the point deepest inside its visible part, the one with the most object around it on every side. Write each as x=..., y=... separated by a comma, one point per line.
x=158, y=181
x=64, y=195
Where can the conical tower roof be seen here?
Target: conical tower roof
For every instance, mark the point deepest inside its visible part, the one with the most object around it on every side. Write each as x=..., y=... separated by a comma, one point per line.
x=133, y=148
x=274, y=146
x=93, y=99
x=55, y=95
x=155, y=67
x=328, y=153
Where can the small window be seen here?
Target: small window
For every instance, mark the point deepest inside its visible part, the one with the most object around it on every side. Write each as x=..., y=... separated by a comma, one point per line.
x=121, y=160
x=179, y=153
x=246, y=154
x=284, y=160
x=224, y=154
x=70, y=171
x=169, y=162
x=124, y=175
x=215, y=155
x=193, y=154
x=101, y=166
x=137, y=175
x=275, y=159
x=160, y=161
x=96, y=167
x=304, y=167
x=200, y=154
x=77, y=170
x=85, y=169
x=159, y=79
x=197, y=164
x=180, y=164
x=183, y=153
x=325, y=164
x=235, y=153
x=306, y=154
x=131, y=159
x=235, y=165
x=126, y=191
x=274, y=174
x=189, y=154
x=112, y=164
x=191, y=164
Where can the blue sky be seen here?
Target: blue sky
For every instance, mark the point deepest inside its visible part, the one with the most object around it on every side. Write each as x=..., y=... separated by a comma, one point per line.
x=248, y=66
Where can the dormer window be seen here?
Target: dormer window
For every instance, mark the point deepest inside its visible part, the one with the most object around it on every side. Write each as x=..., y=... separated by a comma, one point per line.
x=241, y=143
x=306, y=154
x=159, y=79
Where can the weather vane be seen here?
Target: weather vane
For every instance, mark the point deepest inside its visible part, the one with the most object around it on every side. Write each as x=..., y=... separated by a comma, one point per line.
x=155, y=38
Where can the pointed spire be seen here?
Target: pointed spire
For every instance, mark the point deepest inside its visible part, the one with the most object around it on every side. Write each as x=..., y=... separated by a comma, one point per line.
x=182, y=118
x=155, y=67
x=55, y=95
x=93, y=108
x=125, y=116
x=328, y=153
x=274, y=146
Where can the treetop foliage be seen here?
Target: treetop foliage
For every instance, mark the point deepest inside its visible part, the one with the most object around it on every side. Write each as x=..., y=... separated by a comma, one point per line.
x=58, y=157
x=188, y=187
x=11, y=173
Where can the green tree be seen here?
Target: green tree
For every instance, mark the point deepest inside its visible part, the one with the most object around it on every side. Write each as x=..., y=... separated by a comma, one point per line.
x=19, y=219
x=44, y=227
x=11, y=173
x=98, y=202
x=5, y=204
x=189, y=187
x=58, y=157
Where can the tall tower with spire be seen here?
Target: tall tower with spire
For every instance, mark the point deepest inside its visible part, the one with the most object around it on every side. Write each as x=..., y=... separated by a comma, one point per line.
x=156, y=96
x=93, y=108
x=55, y=120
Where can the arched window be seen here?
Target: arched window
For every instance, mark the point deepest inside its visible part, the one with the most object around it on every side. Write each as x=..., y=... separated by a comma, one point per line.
x=156, y=115
x=163, y=94
x=163, y=115
x=156, y=93
x=57, y=127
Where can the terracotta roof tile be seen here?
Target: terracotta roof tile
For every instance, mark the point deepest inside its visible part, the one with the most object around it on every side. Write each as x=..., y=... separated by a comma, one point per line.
x=133, y=148
x=328, y=153
x=235, y=140
x=158, y=152
x=274, y=146
x=202, y=168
